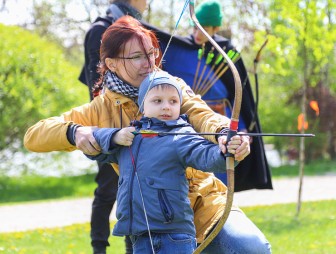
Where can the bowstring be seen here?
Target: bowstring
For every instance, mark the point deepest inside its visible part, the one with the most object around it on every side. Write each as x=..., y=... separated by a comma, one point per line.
x=142, y=199
x=186, y=4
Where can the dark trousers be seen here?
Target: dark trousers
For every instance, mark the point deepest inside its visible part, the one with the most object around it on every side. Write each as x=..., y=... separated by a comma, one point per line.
x=104, y=198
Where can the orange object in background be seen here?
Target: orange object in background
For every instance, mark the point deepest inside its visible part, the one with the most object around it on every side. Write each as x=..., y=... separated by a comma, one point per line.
x=314, y=105
x=302, y=124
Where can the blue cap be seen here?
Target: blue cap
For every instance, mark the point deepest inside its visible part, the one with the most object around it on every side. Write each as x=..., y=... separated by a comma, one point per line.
x=154, y=79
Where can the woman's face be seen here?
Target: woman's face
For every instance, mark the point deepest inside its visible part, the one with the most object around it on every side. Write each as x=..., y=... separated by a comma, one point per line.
x=134, y=64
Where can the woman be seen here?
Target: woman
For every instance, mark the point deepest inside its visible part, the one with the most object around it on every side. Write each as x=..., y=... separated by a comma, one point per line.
x=128, y=54
x=152, y=169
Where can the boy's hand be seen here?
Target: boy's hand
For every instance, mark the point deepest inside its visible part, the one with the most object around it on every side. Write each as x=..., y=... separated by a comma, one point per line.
x=124, y=137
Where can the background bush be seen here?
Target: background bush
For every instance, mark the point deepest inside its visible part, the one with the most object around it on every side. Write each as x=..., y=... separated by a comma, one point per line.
x=36, y=82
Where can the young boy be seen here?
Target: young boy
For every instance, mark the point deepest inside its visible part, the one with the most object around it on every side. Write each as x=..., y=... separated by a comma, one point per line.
x=153, y=205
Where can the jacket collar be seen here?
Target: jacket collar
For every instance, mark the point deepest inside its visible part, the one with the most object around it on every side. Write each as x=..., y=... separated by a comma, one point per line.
x=117, y=99
x=147, y=123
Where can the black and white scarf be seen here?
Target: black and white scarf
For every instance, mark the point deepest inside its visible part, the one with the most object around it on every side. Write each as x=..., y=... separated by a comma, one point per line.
x=115, y=84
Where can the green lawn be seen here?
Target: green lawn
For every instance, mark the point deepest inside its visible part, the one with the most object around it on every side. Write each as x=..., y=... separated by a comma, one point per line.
x=310, y=169
x=31, y=188
x=313, y=233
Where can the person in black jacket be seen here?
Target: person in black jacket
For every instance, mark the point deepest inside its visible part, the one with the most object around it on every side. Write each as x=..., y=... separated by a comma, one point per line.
x=194, y=59
x=106, y=178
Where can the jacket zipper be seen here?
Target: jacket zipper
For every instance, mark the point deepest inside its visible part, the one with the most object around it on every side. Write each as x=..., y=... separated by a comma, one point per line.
x=166, y=208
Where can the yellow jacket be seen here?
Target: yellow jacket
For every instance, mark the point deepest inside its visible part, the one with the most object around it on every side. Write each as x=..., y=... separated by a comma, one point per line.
x=206, y=192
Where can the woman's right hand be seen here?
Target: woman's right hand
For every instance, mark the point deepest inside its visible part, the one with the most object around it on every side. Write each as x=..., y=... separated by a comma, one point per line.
x=85, y=141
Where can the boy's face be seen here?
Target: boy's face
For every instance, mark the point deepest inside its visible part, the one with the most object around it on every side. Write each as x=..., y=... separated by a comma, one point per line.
x=200, y=38
x=163, y=103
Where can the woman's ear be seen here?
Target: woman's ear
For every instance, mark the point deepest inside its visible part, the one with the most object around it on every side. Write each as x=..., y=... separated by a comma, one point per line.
x=111, y=64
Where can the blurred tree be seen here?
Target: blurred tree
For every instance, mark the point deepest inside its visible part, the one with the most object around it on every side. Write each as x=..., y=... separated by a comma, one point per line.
x=62, y=21
x=299, y=57
x=36, y=82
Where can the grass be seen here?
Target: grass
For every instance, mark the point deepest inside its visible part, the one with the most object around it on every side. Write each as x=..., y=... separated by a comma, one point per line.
x=312, y=233
x=32, y=188
x=311, y=168
x=73, y=239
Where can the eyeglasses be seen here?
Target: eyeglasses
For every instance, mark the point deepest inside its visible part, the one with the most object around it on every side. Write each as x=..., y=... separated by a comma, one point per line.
x=138, y=58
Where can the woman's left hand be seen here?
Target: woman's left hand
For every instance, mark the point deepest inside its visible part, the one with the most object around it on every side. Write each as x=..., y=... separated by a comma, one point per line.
x=239, y=146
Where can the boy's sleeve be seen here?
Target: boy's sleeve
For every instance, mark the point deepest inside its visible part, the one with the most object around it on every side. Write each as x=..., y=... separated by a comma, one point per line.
x=104, y=137
x=199, y=153
x=103, y=158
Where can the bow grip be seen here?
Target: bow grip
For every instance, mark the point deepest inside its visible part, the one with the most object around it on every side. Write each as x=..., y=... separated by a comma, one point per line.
x=230, y=134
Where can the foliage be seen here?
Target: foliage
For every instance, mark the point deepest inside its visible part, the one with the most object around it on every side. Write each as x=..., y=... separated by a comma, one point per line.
x=36, y=82
x=313, y=233
x=296, y=56
x=50, y=20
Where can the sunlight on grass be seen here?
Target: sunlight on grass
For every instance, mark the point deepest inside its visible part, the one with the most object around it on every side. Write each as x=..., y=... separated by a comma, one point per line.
x=313, y=232
x=73, y=239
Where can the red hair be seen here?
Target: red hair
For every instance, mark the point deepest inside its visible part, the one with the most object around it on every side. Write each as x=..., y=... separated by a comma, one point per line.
x=115, y=38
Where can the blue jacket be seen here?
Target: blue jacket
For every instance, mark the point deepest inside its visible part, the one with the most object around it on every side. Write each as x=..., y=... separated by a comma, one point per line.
x=160, y=163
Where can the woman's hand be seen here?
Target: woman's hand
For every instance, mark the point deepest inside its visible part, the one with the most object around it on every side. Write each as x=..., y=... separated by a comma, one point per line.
x=85, y=141
x=124, y=137
x=239, y=146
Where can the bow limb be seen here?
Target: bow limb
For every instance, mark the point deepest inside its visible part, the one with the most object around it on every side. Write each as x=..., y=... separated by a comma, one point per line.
x=232, y=132
x=255, y=113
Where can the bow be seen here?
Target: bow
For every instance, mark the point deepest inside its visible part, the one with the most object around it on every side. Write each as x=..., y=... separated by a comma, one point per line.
x=232, y=131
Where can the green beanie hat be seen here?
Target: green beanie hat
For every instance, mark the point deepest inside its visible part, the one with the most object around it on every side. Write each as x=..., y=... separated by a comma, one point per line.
x=209, y=13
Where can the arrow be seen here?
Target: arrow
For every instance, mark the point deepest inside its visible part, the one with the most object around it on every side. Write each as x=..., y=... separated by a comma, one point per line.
x=150, y=133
